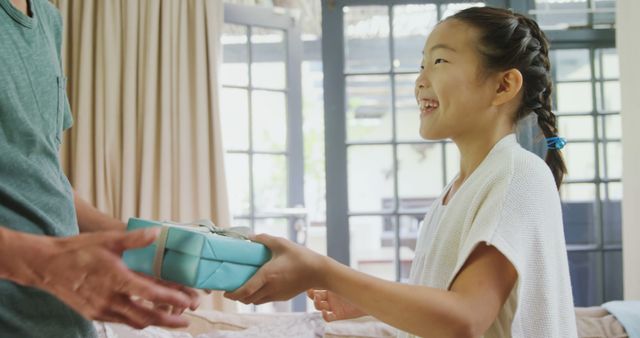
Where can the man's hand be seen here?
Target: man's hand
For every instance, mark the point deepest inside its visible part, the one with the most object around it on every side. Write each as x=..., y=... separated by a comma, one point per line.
x=86, y=272
x=291, y=270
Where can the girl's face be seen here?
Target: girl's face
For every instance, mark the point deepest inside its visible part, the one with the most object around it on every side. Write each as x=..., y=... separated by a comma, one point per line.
x=453, y=94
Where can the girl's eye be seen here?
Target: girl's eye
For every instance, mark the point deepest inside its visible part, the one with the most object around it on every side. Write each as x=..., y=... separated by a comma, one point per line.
x=439, y=61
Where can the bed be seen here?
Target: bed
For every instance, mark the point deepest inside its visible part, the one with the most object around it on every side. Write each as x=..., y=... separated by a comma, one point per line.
x=592, y=322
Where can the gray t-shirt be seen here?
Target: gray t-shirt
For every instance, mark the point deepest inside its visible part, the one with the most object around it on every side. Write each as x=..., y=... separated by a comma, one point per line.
x=35, y=195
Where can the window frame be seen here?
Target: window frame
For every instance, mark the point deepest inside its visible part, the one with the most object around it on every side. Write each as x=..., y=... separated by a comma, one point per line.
x=338, y=214
x=591, y=39
x=251, y=16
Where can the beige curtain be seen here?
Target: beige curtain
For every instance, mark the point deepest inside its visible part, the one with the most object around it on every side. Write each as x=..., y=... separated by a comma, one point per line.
x=142, y=84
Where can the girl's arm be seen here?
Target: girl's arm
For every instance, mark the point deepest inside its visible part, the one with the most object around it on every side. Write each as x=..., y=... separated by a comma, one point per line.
x=467, y=310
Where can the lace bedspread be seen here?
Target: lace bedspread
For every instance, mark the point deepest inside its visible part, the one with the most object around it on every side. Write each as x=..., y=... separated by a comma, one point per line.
x=308, y=325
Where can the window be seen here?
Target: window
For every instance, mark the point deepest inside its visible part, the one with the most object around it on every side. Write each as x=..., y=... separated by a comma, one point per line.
x=587, y=102
x=262, y=126
x=376, y=163
x=591, y=195
x=565, y=14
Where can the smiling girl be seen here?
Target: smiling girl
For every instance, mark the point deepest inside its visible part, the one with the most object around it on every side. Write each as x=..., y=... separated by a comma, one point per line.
x=490, y=259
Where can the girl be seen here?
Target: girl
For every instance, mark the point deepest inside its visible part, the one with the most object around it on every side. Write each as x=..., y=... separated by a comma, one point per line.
x=490, y=259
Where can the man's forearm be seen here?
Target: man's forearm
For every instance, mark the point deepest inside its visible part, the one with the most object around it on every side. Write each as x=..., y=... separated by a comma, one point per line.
x=91, y=219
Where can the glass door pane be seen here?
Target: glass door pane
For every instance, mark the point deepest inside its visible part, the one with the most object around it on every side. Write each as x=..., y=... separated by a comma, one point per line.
x=260, y=113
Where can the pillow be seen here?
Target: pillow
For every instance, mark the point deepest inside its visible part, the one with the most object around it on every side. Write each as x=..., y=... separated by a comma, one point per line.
x=364, y=327
x=596, y=322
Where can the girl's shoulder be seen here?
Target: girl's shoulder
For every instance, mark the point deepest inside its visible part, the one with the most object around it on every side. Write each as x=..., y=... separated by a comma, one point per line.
x=510, y=172
x=513, y=162
x=514, y=173
x=529, y=169
x=527, y=184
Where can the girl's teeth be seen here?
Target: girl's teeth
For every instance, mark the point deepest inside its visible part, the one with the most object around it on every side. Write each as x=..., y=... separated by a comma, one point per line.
x=429, y=105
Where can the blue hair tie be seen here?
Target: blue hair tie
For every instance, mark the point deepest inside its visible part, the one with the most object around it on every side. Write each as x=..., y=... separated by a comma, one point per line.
x=556, y=142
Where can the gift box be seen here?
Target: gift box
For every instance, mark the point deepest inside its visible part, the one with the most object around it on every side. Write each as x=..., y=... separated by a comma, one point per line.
x=197, y=254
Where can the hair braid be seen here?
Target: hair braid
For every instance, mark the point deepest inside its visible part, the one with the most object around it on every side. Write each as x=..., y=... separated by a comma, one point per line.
x=538, y=97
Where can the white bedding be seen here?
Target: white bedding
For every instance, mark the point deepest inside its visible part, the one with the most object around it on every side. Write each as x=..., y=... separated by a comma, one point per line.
x=213, y=324
x=307, y=326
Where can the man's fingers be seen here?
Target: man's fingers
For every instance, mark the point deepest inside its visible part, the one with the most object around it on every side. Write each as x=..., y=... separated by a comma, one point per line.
x=164, y=308
x=140, y=316
x=169, y=309
x=114, y=317
x=123, y=308
x=189, y=292
x=139, y=238
x=177, y=311
x=156, y=293
x=119, y=241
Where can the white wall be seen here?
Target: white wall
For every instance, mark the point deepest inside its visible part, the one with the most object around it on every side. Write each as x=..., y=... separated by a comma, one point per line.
x=628, y=27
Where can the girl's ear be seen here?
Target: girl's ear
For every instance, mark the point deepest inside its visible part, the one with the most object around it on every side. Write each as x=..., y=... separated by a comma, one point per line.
x=509, y=85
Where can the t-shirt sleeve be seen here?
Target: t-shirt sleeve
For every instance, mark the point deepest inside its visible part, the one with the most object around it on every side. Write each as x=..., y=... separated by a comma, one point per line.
x=485, y=228
x=510, y=217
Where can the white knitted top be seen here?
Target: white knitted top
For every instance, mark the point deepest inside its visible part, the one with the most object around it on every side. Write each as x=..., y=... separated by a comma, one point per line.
x=510, y=202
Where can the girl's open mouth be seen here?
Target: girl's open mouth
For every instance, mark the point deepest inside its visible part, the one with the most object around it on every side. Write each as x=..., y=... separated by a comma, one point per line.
x=427, y=106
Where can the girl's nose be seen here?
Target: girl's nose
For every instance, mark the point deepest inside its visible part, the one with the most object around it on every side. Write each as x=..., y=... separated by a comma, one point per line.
x=421, y=80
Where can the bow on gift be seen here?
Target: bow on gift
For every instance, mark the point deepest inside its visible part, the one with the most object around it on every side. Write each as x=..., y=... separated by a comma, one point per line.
x=202, y=225
x=205, y=225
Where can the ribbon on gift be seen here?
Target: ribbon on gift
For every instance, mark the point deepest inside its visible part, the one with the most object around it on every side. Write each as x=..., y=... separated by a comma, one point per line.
x=202, y=225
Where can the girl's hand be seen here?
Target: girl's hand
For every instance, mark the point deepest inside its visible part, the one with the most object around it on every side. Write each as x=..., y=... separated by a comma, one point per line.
x=291, y=270
x=333, y=307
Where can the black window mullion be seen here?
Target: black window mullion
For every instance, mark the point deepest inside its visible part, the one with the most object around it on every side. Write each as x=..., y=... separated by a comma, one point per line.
x=396, y=197
x=602, y=120
x=252, y=200
x=254, y=18
x=598, y=202
x=443, y=144
x=554, y=76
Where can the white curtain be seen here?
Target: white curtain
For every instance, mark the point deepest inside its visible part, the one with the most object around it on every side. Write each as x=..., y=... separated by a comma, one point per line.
x=142, y=84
